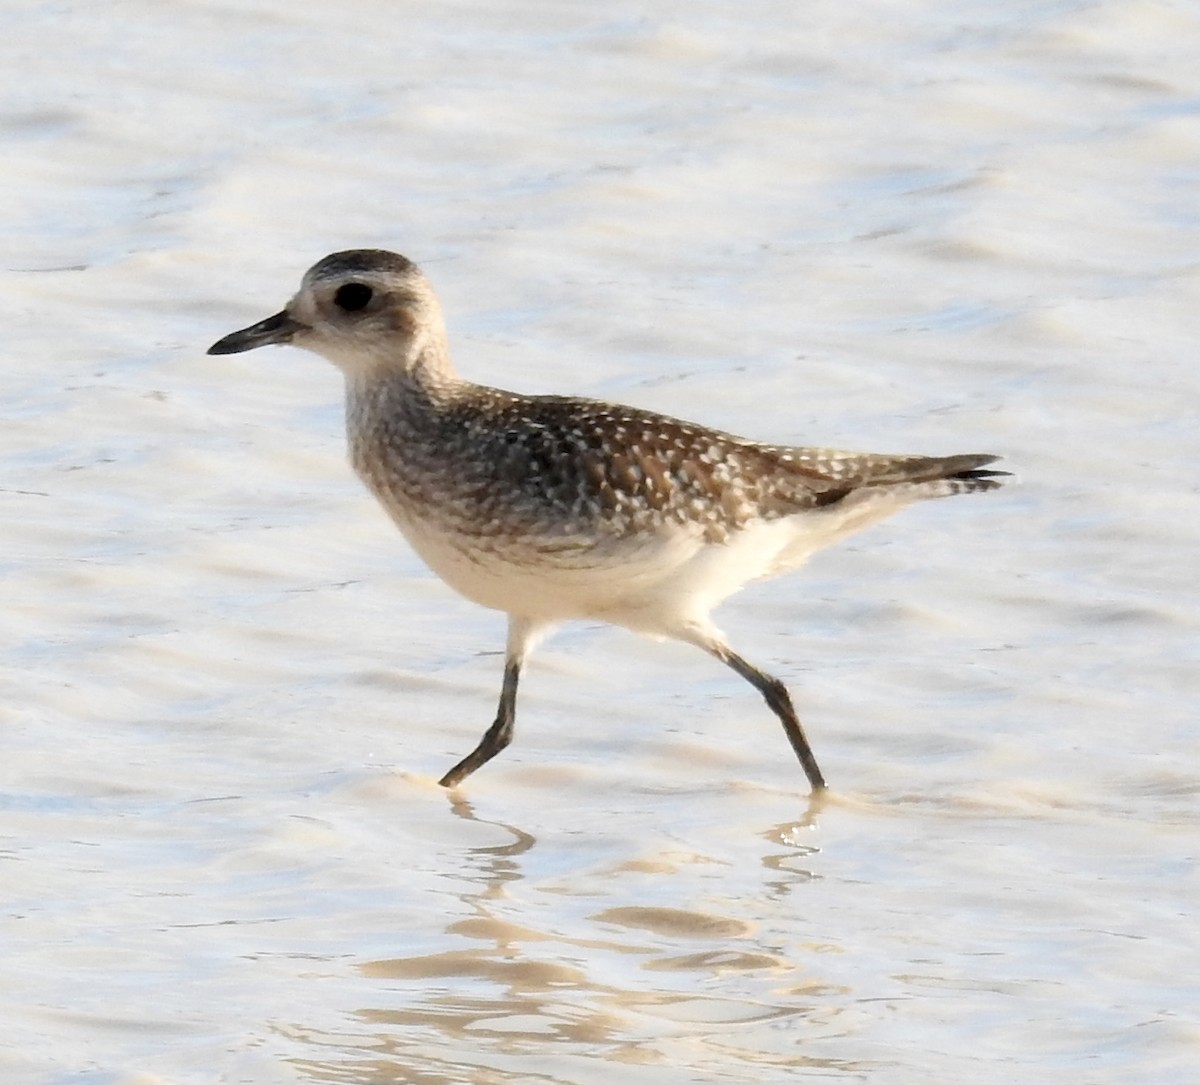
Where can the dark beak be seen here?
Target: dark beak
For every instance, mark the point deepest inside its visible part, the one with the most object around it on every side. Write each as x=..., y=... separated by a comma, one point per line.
x=275, y=329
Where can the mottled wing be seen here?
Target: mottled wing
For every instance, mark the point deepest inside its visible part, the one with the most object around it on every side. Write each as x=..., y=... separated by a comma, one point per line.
x=559, y=469
x=621, y=470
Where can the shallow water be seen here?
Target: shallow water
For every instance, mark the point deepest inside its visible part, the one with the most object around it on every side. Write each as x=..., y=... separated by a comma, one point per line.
x=228, y=687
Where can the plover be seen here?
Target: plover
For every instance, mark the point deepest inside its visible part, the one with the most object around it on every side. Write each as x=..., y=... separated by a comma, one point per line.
x=555, y=507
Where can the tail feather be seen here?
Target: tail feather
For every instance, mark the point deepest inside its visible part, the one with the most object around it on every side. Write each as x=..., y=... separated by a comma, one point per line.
x=864, y=488
x=945, y=476
x=930, y=468
x=969, y=482
x=969, y=471
x=830, y=476
x=928, y=476
x=853, y=469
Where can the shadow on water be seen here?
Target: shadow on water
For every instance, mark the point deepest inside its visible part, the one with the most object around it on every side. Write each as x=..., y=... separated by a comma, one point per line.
x=500, y=864
x=602, y=967
x=790, y=851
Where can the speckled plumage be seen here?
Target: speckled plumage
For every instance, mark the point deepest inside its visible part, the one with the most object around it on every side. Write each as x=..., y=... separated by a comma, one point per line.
x=554, y=507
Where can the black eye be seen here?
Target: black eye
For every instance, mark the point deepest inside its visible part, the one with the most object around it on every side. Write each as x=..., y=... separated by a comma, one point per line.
x=352, y=297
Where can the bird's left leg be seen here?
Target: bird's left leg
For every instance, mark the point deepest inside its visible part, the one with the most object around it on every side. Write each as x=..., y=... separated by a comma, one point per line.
x=522, y=633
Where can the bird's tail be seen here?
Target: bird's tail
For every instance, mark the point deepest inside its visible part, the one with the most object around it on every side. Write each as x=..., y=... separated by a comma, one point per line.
x=965, y=474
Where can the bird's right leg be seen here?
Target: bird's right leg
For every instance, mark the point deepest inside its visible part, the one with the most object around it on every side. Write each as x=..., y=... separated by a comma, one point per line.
x=779, y=701
x=774, y=692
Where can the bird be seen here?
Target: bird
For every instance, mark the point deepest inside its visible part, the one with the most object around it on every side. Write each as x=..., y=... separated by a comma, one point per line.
x=553, y=508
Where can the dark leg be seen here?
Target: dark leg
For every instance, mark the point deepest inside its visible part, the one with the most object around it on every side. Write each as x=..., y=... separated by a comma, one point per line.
x=497, y=736
x=521, y=636
x=776, y=695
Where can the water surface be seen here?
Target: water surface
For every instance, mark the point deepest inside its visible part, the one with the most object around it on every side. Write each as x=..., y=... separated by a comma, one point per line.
x=228, y=687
